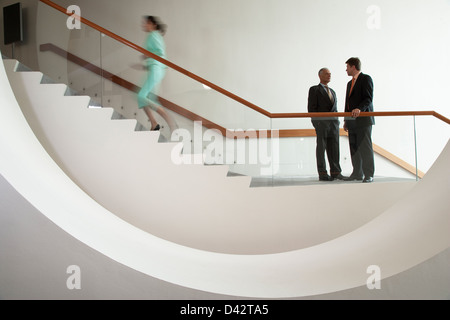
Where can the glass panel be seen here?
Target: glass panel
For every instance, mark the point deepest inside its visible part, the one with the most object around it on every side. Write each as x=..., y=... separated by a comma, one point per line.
x=395, y=148
x=223, y=130
x=69, y=56
x=394, y=153
x=297, y=152
x=121, y=81
x=432, y=136
x=211, y=125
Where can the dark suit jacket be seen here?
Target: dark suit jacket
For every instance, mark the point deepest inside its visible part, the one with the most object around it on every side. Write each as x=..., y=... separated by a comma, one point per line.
x=361, y=98
x=319, y=101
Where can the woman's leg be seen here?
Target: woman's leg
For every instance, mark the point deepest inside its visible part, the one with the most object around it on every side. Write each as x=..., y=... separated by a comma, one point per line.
x=170, y=121
x=148, y=100
x=151, y=117
x=144, y=102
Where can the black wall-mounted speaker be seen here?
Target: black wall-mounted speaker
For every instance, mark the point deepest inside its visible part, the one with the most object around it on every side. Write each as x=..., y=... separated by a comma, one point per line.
x=12, y=23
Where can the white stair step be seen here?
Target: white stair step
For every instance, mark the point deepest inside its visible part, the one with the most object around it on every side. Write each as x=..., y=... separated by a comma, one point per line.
x=10, y=65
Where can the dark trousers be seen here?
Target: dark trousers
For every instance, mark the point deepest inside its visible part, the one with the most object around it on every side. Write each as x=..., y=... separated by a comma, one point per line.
x=327, y=132
x=361, y=150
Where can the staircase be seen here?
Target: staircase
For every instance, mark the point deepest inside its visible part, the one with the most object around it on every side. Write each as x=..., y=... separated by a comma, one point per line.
x=202, y=213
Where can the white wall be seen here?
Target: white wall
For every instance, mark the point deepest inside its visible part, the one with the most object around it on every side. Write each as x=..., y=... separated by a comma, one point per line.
x=270, y=51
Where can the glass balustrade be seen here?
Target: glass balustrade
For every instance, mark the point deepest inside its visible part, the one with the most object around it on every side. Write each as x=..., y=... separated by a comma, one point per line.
x=201, y=117
x=213, y=127
x=72, y=57
x=432, y=135
x=394, y=145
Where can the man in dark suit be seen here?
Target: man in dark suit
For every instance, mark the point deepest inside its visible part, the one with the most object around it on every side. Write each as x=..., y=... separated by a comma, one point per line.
x=322, y=98
x=359, y=99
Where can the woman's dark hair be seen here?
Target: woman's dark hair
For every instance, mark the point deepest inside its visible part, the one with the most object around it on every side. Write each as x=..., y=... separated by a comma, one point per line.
x=161, y=27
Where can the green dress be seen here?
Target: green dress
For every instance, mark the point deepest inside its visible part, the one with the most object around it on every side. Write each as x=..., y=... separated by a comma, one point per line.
x=156, y=71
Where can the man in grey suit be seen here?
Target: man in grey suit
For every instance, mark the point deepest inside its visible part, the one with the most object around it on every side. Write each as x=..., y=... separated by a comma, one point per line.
x=322, y=98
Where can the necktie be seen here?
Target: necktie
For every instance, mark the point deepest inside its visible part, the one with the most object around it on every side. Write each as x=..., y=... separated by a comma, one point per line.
x=329, y=93
x=353, y=84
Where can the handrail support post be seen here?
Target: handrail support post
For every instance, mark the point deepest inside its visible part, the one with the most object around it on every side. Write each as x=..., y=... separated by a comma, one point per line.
x=415, y=148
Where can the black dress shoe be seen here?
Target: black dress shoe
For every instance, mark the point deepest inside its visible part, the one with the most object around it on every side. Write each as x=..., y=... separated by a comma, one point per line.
x=325, y=178
x=353, y=178
x=157, y=128
x=339, y=177
x=368, y=180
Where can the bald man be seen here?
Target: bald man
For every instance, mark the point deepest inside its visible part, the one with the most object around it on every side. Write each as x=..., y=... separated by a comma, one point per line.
x=322, y=98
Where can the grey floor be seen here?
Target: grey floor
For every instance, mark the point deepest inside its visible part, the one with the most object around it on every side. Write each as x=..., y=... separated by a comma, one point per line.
x=284, y=181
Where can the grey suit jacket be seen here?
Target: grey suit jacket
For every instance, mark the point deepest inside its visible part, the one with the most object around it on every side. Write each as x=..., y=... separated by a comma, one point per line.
x=319, y=101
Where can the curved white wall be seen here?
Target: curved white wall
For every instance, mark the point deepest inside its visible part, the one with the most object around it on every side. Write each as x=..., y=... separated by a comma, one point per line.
x=35, y=255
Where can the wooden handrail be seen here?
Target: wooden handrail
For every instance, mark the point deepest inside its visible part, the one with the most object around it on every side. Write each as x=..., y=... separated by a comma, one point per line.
x=363, y=114
x=441, y=117
x=229, y=94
